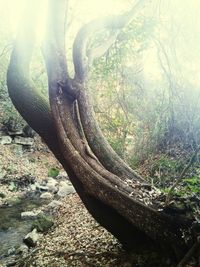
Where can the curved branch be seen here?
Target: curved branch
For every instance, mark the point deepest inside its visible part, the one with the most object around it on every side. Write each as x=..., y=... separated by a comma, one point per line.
x=105, y=215
x=108, y=201
x=100, y=50
x=29, y=101
x=99, y=145
x=113, y=197
x=59, y=82
x=80, y=43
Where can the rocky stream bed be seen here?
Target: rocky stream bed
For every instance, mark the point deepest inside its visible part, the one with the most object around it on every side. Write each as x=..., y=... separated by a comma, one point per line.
x=31, y=210
x=44, y=223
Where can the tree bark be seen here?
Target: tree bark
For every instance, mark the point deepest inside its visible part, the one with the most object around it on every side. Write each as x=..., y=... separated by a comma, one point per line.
x=98, y=144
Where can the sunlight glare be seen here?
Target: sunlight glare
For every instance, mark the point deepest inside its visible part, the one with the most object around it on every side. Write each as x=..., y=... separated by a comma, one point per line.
x=87, y=10
x=15, y=11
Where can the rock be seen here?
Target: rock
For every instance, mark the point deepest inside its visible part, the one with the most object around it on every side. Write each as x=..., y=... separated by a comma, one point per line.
x=46, y=195
x=18, y=132
x=23, y=249
x=10, y=262
x=63, y=173
x=25, y=180
x=17, y=149
x=41, y=187
x=62, y=176
x=26, y=141
x=11, y=251
x=5, y=140
x=31, y=238
x=54, y=204
x=43, y=223
x=28, y=131
x=65, y=189
x=31, y=214
x=51, y=180
x=32, y=187
x=51, y=184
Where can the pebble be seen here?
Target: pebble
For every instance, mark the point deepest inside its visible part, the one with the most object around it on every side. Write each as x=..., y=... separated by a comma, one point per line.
x=51, y=184
x=54, y=204
x=46, y=195
x=65, y=189
x=31, y=238
x=30, y=214
x=5, y=140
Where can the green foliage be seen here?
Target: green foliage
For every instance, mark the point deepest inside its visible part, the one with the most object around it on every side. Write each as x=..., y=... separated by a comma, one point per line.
x=164, y=164
x=158, y=114
x=43, y=223
x=188, y=187
x=163, y=170
x=191, y=185
x=53, y=172
x=119, y=100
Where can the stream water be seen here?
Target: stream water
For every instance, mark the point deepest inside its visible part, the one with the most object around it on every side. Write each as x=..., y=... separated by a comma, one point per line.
x=12, y=227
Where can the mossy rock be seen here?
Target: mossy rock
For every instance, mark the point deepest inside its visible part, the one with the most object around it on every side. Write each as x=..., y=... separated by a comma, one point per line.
x=43, y=223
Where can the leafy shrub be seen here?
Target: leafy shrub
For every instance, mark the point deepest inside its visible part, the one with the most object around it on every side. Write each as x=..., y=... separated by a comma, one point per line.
x=191, y=185
x=53, y=172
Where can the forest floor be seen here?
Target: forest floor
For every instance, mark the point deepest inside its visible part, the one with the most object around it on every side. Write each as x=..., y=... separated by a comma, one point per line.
x=75, y=239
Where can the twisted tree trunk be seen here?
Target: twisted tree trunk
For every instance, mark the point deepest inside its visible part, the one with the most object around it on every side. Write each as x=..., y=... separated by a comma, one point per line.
x=69, y=128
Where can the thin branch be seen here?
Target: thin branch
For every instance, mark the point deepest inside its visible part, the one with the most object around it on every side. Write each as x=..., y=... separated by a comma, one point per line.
x=80, y=42
x=100, y=50
x=184, y=171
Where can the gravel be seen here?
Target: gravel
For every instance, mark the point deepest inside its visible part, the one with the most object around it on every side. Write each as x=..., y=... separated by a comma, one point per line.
x=77, y=240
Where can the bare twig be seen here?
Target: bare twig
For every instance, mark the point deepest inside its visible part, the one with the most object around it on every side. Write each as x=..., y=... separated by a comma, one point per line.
x=179, y=179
